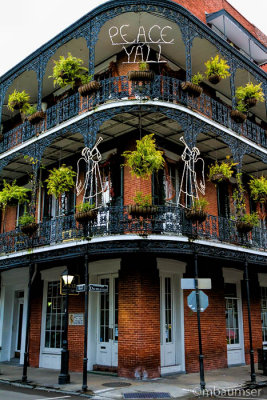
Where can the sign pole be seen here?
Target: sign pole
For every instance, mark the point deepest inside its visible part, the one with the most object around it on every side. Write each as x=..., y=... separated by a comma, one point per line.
x=85, y=359
x=201, y=357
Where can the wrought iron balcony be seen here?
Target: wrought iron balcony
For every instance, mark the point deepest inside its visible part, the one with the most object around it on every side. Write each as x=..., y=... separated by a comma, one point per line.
x=110, y=221
x=118, y=89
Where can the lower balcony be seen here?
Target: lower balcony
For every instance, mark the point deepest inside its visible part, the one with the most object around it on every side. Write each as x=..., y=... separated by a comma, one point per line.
x=110, y=221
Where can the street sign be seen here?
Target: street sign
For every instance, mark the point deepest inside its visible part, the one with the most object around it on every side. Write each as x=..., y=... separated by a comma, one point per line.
x=192, y=301
x=189, y=283
x=92, y=287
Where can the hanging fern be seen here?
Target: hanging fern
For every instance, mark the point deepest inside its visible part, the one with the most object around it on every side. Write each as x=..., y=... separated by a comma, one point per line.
x=13, y=193
x=60, y=180
x=146, y=159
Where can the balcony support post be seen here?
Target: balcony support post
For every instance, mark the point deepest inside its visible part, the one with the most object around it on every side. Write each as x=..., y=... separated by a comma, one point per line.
x=1, y=102
x=40, y=83
x=251, y=351
x=26, y=346
x=232, y=83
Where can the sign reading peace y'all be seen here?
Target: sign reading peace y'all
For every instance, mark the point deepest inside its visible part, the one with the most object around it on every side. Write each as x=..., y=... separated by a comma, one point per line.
x=139, y=48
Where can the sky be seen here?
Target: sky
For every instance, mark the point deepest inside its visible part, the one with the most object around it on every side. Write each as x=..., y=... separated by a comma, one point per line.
x=26, y=25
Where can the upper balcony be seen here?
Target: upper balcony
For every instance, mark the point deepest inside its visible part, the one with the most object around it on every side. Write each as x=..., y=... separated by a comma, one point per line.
x=109, y=41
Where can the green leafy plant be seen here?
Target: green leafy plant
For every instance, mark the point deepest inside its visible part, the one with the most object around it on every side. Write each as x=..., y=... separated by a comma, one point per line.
x=258, y=189
x=199, y=205
x=143, y=66
x=85, y=78
x=249, y=91
x=142, y=200
x=18, y=100
x=146, y=159
x=225, y=169
x=67, y=71
x=83, y=207
x=60, y=180
x=13, y=193
x=240, y=205
x=241, y=107
x=26, y=219
x=197, y=78
x=217, y=66
x=31, y=110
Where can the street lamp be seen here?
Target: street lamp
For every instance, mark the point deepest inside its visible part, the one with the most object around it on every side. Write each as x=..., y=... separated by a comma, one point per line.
x=64, y=376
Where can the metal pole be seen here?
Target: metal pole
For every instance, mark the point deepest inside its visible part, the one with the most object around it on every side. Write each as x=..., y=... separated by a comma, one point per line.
x=26, y=348
x=64, y=376
x=251, y=351
x=85, y=359
x=201, y=357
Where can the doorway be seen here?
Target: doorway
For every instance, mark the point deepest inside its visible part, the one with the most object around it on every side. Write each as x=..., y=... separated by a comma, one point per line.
x=17, y=324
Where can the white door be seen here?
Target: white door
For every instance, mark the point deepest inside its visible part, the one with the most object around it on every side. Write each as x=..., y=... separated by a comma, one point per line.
x=234, y=326
x=107, y=326
x=168, y=345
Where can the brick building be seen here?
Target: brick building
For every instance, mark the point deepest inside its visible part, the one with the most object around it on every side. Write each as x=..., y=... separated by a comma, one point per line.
x=143, y=326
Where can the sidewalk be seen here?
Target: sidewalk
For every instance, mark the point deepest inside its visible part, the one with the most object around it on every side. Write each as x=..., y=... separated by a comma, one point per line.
x=112, y=387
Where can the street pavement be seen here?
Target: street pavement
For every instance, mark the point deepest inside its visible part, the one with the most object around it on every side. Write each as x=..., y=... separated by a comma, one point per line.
x=8, y=392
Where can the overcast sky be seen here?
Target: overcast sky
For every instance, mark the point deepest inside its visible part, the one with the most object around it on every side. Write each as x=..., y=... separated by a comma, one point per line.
x=28, y=24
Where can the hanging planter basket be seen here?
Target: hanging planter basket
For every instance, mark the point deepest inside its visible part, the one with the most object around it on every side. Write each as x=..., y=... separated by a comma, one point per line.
x=195, y=216
x=214, y=79
x=141, y=76
x=217, y=178
x=142, y=211
x=238, y=116
x=192, y=89
x=89, y=88
x=250, y=102
x=86, y=216
x=243, y=227
x=37, y=117
x=29, y=229
x=17, y=105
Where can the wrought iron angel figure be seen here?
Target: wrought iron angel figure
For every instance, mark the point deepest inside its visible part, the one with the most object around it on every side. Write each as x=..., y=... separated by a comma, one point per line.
x=190, y=186
x=91, y=183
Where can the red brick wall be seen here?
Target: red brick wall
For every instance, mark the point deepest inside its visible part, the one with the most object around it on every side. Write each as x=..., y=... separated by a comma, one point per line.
x=213, y=328
x=35, y=323
x=139, y=318
x=76, y=335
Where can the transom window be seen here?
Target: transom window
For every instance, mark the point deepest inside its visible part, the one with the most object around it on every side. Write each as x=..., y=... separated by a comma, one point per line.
x=264, y=313
x=54, y=316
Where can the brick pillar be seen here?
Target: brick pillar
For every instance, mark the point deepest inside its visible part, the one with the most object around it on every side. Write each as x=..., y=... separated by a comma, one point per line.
x=76, y=334
x=35, y=322
x=139, y=318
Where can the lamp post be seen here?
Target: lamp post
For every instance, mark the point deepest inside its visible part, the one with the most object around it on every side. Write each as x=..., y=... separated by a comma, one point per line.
x=64, y=376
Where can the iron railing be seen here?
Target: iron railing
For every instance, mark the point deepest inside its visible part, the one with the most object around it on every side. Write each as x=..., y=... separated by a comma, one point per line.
x=119, y=88
x=168, y=220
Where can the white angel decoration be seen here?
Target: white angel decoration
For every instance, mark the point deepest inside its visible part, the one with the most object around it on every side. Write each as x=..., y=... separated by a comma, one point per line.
x=190, y=187
x=89, y=180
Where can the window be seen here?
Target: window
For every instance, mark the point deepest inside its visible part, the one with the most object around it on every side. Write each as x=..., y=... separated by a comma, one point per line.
x=168, y=311
x=231, y=312
x=264, y=313
x=223, y=200
x=104, y=313
x=171, y=184
x=54, y=316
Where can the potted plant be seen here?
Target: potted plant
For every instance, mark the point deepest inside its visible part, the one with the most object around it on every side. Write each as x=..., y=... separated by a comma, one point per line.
x=258, y=189
x=221, y=172
x=34, y=116
x=68, y=71
x=143, y=206
x=88, y=86
x=216, y=69
x=85, y=212
x=143, y=75
x=18, y=101
x=60, y=180
x=193, y=88
x=12, y=194
x=146, y=159
x=244, y=221
x=239, y=114
x=27, y=224
x=197, y=212
x=250, y=94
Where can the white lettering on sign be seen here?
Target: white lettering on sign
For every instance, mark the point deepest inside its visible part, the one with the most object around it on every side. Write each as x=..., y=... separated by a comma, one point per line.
x=139, y=49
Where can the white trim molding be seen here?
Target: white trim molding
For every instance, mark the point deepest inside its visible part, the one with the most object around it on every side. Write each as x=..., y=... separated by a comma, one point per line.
x=103, y=267
x=262, y=278
x=232, y=275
